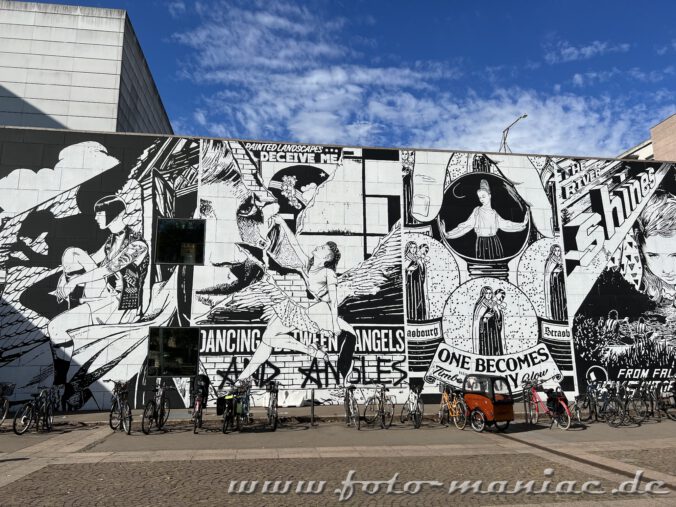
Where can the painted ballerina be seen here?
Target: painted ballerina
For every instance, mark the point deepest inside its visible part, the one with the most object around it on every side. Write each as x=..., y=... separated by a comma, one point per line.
x=486, y=222
x=320, y=317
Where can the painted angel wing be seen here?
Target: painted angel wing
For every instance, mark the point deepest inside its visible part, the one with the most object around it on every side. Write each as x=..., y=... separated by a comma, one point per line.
x=370, y=276
x=258, y=301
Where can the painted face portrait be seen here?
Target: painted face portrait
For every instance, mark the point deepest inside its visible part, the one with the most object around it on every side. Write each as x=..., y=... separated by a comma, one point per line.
x=655, y=232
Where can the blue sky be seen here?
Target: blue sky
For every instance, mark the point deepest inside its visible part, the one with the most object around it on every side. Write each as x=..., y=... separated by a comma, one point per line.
x=593, y=76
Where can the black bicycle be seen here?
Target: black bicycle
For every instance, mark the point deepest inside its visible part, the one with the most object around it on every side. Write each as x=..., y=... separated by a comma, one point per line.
x=272, y=411
x=157, y=409
x=34, y=413
x=120, y=411
x=237, y=402
x=6, y=390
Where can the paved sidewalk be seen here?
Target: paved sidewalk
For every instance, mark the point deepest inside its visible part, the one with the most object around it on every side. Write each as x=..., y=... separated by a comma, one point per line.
x=91, y=465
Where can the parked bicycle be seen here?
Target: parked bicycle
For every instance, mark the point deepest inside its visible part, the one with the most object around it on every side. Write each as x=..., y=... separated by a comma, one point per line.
x=556, y=405
x=156, y=411
x=200, y=395
x=413, y=408
x=6, y=390
x=597, y=401
x=34, y=413
x=379, y=407
x=352, y=416
x=237, y=402
x=452, y=406
x=666, y=398
x=272, y=410
x=120, y=411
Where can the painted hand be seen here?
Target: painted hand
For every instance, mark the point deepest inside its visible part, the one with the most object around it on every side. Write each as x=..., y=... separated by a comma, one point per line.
x=65, y=287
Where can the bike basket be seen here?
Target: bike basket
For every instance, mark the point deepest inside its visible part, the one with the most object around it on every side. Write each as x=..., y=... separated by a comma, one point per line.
x=7, y=389
x=553, y=399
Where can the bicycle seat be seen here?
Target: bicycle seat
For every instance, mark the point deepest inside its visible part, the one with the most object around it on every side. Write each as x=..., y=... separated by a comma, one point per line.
x=35, y=395
x=351, y=387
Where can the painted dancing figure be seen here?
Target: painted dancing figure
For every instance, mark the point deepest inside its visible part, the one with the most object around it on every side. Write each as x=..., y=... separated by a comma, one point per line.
x=320, y=317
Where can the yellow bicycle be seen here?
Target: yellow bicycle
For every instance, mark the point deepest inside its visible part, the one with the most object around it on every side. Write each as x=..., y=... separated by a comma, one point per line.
x=452, y=406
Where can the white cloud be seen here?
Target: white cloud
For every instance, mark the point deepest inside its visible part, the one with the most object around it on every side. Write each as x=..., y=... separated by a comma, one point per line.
x=564, y=51
x=176, y=8
x=581, y=79
x=283, y=72
x=663, y=50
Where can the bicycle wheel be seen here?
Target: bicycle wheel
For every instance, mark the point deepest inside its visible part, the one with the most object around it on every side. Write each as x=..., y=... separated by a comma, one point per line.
x=418, y=414
x=114, y=419
x=502, y=425
x=460, y=417
x=667, y=405
x=614, y=413
x=585, y=409
x=371, y=410
x=405, y=413
x=23, y=419
x=126, y=417
x=638, y=410
x=48, y=417
x=443, y=414
x=272, y=412
x=4, y=410
x=149, y=416
x=477, y=420
x=388, y=413
x=533, y=412
x=227, y=418
x=196, y=419
x=354, y=413
x=562, y=417
x=666, y=400
x=164, y=413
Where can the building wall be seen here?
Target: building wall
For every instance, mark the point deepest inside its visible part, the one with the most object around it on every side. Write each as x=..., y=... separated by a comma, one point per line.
x=140, y=106
x=76, y=68
x=559, y=272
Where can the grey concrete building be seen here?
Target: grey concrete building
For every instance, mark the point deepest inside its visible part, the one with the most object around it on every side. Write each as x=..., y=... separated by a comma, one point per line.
x=78, y=68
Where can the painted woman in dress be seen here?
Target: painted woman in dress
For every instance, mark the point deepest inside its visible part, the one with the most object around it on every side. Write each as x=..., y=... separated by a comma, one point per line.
x=320, y=317
x=410, y=269
x=486, y=339
x=556, y=307
x=486, y=222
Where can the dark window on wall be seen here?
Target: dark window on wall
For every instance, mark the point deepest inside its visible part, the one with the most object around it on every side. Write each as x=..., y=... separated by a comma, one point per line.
x=179, y=241
x=173, y=351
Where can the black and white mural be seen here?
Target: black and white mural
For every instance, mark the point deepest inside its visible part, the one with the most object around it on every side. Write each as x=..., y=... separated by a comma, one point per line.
x=484, y=271
x=302, y=282
x=327, y=265
x=619, y=226
x=80, y=288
